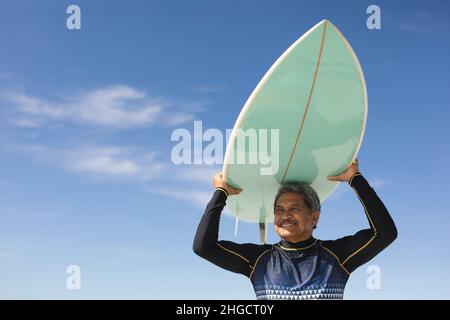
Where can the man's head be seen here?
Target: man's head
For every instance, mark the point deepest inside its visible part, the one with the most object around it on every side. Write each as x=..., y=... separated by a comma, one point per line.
x=296, y=210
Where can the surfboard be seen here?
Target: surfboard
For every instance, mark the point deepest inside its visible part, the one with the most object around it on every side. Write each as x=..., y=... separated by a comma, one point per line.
x=315, y=97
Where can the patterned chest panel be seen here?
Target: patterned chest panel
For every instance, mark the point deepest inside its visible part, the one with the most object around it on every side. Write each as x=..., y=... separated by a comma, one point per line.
x=309, y=274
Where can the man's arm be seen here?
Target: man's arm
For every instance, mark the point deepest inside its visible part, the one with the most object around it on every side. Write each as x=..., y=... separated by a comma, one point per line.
x=354, y=251
x=228, y=255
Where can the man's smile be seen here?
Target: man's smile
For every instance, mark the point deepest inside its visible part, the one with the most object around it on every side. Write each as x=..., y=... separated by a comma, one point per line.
x=288, y=225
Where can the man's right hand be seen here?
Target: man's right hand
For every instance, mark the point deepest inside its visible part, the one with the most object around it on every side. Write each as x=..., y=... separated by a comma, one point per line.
x=217, y=181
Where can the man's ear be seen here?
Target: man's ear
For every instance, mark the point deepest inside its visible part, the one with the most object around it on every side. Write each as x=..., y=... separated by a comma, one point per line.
x=315, y=215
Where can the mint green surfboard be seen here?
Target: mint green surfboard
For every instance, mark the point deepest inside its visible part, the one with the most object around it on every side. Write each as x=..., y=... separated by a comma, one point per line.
x=315, y=95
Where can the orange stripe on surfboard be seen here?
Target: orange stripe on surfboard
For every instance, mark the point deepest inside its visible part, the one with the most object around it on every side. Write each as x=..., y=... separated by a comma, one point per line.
x=308, y=103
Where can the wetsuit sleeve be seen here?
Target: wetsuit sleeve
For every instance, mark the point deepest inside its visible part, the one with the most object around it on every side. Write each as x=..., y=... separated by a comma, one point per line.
x=353, y=251
x=228, y=255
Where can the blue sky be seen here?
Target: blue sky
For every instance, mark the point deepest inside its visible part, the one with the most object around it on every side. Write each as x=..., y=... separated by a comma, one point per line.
x=86, y=118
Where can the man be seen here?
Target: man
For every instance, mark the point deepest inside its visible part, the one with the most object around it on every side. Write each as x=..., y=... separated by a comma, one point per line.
x=299, y=266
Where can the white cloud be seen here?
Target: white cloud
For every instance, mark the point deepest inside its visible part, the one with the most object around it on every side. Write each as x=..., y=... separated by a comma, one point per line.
x=104, y=161
x=113, y=106
x=197, y=197
x=116, y=106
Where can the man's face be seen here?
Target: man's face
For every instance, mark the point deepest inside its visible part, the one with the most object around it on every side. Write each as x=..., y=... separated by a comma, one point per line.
x=293, y=221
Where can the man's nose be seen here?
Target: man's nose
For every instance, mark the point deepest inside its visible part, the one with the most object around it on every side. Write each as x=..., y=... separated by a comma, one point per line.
x=285, y=214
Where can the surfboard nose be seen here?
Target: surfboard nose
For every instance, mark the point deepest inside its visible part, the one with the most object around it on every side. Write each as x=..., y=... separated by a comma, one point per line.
x=328, y=22
x=324, y=22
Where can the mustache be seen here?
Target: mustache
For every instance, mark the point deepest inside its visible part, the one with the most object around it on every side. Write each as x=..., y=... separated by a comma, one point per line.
x=287, y=221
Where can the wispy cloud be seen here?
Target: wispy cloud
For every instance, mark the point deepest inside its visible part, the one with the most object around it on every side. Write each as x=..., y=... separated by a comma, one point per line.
x=378, y=183
x=24, y=213
x=118, y=162
x=115, y=106
x=344, y=189
x=178, y=118
x=422, y=23
x=197, y=197
x=194, y=174
x=103, y=160
x=26, y=123
x=112, y=161
x=130, y=252
x=183, y=112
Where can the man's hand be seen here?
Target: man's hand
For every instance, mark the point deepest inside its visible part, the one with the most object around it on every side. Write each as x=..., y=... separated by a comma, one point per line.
x=346, y=175
x=217, y=181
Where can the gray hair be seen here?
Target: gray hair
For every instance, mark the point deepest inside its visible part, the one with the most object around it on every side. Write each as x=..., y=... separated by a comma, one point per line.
x=310, y=196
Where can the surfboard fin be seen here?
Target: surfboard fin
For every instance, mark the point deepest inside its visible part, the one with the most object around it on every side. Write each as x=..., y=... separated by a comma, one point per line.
x=262, y=225
x=262, y=233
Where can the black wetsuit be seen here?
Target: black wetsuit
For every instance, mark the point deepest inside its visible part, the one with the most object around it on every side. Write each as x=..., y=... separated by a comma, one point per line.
x=311, y=269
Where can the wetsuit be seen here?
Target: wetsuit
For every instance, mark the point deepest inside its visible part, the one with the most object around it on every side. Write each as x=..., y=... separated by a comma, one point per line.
x=310, y=269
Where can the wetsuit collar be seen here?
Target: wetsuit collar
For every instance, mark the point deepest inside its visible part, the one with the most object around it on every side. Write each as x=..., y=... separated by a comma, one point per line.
x=297, y=245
